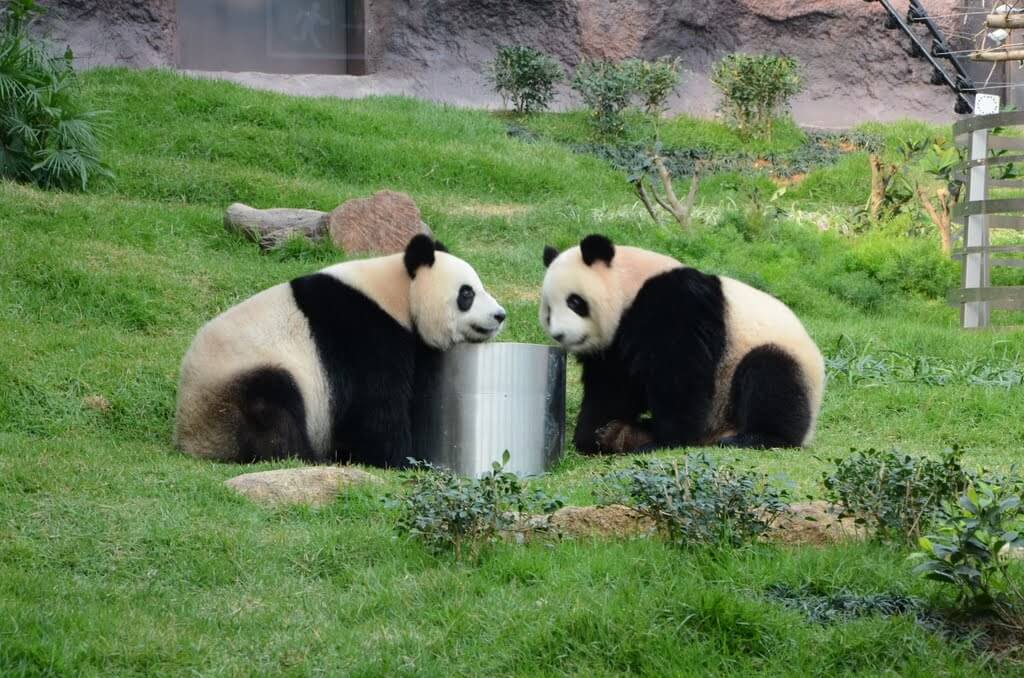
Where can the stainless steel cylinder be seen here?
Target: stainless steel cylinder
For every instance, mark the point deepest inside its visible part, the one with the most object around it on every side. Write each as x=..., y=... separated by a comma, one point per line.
x=477, y=400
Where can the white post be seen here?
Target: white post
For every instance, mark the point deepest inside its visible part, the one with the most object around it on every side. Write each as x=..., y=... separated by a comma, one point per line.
x=975, y=313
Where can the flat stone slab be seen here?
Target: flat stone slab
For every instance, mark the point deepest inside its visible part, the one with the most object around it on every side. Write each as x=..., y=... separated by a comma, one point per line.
x=310, y=485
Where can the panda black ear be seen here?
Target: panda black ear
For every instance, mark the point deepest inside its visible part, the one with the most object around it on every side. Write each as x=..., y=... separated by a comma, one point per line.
x=439, y=247
x=549, y=255
x=419, y=252
x=597, y=248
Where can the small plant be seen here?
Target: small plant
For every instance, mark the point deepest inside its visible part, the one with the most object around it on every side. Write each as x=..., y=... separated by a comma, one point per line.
x=693, y=501
x=453, y=513
x=525, y=76
x=969, y=550
x=606, y=88
x=755, y=89
x=46, y=135
x=897, y=496
x=654, y=82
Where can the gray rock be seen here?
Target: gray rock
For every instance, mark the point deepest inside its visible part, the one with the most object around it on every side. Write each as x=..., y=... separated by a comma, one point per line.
x=311, y=485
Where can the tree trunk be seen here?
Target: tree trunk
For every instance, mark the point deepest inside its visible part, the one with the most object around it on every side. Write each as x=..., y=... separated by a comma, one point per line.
x=638, y=186
x=676, y=209
x=877, y=187
x=940, y=216
x=272, y=227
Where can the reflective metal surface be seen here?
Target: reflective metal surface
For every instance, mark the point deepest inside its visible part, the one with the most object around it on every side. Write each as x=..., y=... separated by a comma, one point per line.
x=478, y=400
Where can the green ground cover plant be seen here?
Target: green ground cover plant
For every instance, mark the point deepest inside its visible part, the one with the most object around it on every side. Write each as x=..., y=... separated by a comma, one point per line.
x=119, y=556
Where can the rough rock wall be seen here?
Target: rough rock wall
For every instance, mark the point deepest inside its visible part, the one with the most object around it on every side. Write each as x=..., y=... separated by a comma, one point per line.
x=854, y=68
x=136, y=33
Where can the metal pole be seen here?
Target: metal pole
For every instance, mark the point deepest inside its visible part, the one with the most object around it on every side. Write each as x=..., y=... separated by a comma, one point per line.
x=975, y=313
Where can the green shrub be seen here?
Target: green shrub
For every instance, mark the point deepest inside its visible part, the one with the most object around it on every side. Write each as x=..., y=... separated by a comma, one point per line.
x=857, y=288
x=606, y=88
x=896, y=496
x=46, y=136
x=968, y=551
x=755, y=89
x=610, y=88
x=449, y=512
x=654, y=81
x=525, y=76
x=694, y=501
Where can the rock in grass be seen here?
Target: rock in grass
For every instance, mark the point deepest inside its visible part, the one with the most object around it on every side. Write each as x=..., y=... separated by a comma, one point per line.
x=310, y=485
x=381, y=224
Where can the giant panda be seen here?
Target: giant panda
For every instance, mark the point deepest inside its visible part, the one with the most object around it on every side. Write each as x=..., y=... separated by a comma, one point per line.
x=714, y=361
x=322, y=368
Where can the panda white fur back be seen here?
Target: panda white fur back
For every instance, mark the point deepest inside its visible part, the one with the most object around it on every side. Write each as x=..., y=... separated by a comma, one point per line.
x=713, y=360
x=322, y=367
x=756, y=318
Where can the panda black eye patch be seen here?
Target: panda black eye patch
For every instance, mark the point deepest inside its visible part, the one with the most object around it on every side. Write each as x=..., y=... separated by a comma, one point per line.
x=577, y=305
x=466, y=297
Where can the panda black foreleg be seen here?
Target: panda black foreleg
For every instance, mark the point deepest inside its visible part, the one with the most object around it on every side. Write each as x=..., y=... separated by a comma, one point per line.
x=377, y=433
x=608, y=395
x=681, y=397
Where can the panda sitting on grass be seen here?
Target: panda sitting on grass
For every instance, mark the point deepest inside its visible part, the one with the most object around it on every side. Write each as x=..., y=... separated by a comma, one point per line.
x=714, y=361
x=322, y=368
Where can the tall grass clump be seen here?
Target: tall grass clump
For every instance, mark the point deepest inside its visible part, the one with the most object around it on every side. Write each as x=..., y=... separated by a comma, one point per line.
x=46, y=136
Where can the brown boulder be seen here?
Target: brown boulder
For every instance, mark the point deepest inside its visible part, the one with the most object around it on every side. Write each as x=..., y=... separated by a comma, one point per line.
x=311, y=485
x=381, y=224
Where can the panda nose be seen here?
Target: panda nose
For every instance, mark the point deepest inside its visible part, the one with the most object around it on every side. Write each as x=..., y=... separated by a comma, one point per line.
x=558, y=337
x=500, y=316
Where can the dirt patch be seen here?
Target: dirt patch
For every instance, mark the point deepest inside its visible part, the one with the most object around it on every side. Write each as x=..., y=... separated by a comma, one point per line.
x=614, y=521
x=786, y=182
x=490, y=210
x=97, y=403
x=804, y=524
x=812, y=523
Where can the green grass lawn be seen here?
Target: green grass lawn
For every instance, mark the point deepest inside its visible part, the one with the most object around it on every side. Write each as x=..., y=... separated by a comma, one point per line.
x=120, y=556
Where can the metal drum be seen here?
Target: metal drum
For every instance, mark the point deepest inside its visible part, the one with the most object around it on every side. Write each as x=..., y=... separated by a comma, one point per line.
x=477, y=400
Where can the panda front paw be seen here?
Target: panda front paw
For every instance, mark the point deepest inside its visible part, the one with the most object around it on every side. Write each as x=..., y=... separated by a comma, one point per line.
x=621, y=436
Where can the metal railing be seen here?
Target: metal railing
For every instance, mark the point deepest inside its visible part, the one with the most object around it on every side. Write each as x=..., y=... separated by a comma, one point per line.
x=988, y=151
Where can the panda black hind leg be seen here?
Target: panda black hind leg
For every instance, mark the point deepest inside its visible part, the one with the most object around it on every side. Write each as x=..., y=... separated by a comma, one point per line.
x=769, y=404
x=272, y=424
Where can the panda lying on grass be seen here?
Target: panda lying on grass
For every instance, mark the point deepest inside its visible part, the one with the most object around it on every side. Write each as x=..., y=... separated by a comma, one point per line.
x=322, y=368
x=714, y=361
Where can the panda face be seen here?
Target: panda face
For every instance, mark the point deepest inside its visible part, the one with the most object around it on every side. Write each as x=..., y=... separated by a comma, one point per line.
x=588, y=288
x=449, y=304
x=579, y=305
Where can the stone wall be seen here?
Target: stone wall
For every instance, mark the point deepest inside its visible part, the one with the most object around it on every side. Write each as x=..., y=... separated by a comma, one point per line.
x=854, y=68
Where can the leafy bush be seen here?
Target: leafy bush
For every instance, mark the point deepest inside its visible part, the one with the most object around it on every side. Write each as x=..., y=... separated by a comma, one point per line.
x=610, y=88
x=46, y=136
x=606, y=88
x=968, y=550
x=693, y=501
x=654, y=81
x=897, y=496
x=525, y=76
x=755, y=89
x=449, y=512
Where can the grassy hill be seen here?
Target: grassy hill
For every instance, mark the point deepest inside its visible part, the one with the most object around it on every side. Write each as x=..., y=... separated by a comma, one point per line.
x=119, y=556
